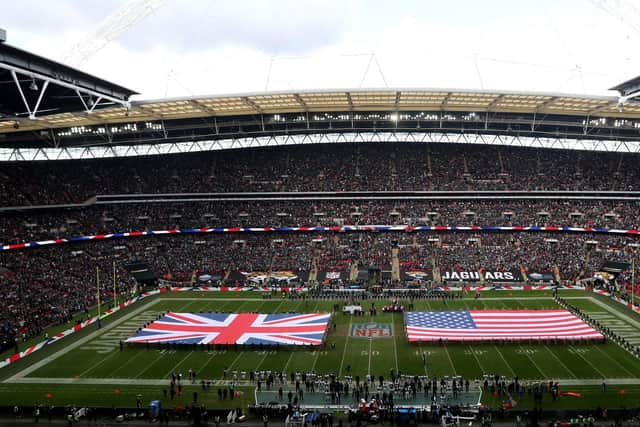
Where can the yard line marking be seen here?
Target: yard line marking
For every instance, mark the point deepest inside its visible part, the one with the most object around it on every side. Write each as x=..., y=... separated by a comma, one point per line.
x=520, y=346
x=471, y=349
x=533, y=362
x=278, y=306
x=160, y=354
x=560, y=361
x=450, y=361
x=266, y=353
x=425, y=364
x=612, y=359
x=535, y=365
x=453, y=367
x=213, y=353
x=235, y=360
x=229, y=368
x=75, y=344
x=395, y=347
x=507, y=363
x=346, y=342
x=477, y=360
x=315, y=360
x=619, y=315
x=286, y=365
x=173, y=369
x=129, y=360
x=369, y=369
x=113, y=353
x=589, y=363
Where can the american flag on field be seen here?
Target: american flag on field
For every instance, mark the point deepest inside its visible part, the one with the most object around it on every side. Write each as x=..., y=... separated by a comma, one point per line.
x=476, y=325
x=243, y=328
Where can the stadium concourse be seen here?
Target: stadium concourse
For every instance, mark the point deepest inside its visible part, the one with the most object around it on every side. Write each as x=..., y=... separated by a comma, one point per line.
x=57, y=282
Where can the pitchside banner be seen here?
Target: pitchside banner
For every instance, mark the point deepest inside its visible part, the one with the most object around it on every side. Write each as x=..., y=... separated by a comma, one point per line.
x=261, y=277
x=417, y=275
x=541, y=277
x=475, y=276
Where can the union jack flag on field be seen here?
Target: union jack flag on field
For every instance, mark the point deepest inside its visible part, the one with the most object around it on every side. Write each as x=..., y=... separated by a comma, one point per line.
x=243, y=328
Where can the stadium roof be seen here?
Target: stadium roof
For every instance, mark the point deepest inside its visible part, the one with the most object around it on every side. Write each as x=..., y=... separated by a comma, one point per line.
x=34, y=88
x=338, y=100
x=629, y=87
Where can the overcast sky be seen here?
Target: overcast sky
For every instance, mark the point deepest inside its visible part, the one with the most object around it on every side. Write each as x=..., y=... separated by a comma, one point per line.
x=190, y=47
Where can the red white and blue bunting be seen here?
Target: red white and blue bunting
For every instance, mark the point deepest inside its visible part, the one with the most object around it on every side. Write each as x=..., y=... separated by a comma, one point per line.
x=333, y=229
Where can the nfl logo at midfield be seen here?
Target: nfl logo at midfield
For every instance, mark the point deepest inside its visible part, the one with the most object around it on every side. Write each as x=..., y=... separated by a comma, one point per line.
x=371, y=330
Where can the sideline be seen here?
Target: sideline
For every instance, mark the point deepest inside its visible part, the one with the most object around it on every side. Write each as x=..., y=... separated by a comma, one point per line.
x=246, y=383
x=81, y=341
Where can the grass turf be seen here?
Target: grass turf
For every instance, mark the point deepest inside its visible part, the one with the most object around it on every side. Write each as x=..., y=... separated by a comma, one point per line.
x=100, y=360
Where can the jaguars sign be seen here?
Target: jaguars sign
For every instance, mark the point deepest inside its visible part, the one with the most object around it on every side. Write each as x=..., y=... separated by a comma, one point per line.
x=371, y=330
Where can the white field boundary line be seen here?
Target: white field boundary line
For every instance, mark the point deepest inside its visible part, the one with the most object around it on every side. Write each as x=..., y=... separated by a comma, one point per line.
x=155, y=300
x=616, y=313
x=70, y=331
x=246, y=383
x=620, y=316
x=81, y=341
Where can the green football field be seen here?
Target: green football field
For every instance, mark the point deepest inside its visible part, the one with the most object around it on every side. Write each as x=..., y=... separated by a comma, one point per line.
x=89, y=368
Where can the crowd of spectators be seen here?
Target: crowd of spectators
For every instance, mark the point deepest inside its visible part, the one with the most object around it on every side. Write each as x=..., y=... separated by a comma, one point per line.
x=48, y=285
x=101, y=219
x=327, y=167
